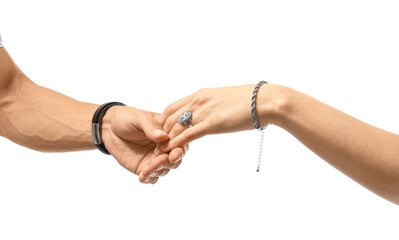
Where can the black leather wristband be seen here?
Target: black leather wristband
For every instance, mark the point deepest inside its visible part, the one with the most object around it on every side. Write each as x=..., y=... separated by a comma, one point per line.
x=96, y=125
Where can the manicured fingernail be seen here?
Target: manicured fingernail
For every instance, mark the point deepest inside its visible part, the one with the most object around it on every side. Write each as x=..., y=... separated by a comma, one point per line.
x=153, y=174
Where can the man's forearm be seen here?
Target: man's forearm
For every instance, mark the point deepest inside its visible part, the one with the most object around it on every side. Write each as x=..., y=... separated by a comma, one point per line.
x=365, y=153
x=45, y=120
x=40, y=118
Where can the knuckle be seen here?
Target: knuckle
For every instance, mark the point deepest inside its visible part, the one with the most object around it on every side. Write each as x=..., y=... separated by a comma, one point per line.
x=168, y=110
x=201, y=96
x=200, y=100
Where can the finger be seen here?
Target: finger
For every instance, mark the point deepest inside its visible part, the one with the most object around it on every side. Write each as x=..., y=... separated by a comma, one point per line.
x=172, y=108
x=171, y=121
x=149, y=171
x=144, y=180
x=153, y=180
x=163, y=169
x=151, y=127
x=150, y=180
x=177, y=164
x=177, y=130
x=170, y=165
x=159, y=173
x=176, y=154
x=158, y=151
x=155, y=165
x=186, y=136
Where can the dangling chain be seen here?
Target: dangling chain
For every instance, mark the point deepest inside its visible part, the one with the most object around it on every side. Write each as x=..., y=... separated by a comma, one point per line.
x=262, y=134
x=256, y=123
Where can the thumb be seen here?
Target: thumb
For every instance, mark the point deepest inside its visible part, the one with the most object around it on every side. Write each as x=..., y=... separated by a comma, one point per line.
x=153, y=129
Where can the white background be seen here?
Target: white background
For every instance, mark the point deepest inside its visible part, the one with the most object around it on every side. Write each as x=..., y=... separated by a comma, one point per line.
x=149, y=54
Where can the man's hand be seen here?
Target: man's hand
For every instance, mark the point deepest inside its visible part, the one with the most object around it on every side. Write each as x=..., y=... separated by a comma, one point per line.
x=131, y=135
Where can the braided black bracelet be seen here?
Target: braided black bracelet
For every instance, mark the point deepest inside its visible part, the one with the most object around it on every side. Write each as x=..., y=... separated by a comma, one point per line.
x=96, y=125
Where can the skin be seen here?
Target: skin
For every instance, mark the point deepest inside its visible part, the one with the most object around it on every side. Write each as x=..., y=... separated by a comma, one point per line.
x=367, y=154
x=47, y=121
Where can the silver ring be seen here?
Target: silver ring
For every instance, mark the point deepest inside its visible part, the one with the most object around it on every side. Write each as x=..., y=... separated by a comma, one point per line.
x=185, y=119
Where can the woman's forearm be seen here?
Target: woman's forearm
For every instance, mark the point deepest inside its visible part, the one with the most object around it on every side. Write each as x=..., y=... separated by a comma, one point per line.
x=40, y=118
x=367, y=154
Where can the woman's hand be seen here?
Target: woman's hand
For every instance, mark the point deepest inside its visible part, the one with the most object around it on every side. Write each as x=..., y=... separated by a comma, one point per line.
x=217, y=110
x=131, y=135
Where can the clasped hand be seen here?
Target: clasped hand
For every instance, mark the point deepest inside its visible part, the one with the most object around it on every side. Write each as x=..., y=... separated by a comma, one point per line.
x=131, y=135
x=149, y=144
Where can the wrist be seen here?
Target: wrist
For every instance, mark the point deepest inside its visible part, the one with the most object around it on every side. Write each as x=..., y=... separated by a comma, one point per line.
x=101, y=125
x=107, y=118
x=106, y=122
x=273, y=104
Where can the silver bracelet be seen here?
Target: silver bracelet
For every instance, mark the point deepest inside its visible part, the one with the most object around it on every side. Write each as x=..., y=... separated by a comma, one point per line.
x=256, y=123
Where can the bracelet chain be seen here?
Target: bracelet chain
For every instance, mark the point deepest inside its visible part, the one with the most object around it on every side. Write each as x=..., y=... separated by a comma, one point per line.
x=256, y=123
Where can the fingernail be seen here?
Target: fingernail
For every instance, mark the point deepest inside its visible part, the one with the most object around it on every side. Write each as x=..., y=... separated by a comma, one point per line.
x=153, y=174
x=159, y=132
